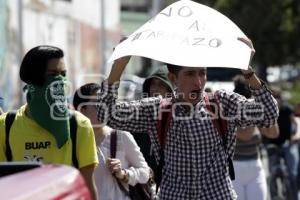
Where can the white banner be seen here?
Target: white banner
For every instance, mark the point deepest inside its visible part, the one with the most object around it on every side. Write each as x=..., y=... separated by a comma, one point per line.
x=188, y=34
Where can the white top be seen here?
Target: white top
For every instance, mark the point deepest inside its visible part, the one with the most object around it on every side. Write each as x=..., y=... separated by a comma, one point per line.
x=131, y=159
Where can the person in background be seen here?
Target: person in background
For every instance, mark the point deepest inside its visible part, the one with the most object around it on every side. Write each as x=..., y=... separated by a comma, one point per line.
x=297, y=134
x=250, y=178
x=156, y=84
x=41, y=129
x=129, y=166
x=286, y=140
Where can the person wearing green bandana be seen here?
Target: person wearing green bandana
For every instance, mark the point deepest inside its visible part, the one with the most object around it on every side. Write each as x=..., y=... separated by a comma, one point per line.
x=41, y=130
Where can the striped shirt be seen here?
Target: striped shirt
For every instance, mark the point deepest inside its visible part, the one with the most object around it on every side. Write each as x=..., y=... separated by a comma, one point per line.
x=247, y=150
x=195, y=160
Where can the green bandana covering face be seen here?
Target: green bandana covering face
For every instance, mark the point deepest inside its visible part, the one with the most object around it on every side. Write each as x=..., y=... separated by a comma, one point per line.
x=48, y=107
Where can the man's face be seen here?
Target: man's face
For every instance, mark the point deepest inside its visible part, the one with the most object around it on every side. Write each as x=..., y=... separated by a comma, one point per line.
x=56, y=91
x=157, y=87
x=56, y=67
x=190, y=83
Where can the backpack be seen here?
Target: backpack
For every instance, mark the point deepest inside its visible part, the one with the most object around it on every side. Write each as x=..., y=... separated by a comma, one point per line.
x=163, y=126
x=9, y=119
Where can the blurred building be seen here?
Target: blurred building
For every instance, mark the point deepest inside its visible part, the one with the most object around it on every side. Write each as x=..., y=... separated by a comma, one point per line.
x=134, y=13
x=277, y=74
x=86, y=30
x=6, y=66
x=78, y=27
x=136, y=5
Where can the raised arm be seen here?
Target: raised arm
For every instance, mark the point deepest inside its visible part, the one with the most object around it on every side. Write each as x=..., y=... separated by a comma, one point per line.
x=117, y=70
x=134, y=116
x=246, y=134
x=272, y=132
x=262, y=110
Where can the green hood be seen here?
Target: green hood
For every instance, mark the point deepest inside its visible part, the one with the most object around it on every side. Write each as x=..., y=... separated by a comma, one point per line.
x=162, y=74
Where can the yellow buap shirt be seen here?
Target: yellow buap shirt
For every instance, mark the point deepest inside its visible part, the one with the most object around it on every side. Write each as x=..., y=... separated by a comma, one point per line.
x=30, y=142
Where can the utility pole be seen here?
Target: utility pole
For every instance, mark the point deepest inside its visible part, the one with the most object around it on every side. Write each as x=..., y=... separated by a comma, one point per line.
x=20, y=46
x=156, y=8
x=102, y=38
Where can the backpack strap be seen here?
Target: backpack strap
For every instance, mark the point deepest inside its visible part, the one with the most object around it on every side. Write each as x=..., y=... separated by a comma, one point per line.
x=9, y=120
x=221, y=125
x=162, y=128
x=164, y=122
x=73, y=134
x=113, y=150
x=113, y=144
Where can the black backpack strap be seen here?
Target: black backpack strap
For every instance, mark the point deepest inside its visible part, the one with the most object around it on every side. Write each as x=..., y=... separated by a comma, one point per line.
x=9, y=120
x=73, y=134
x=113, y=144
x=113, y=151
x=158, y=172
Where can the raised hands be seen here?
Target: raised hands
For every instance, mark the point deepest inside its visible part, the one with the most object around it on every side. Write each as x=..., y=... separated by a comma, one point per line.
x=118, y=67
x=249, y=43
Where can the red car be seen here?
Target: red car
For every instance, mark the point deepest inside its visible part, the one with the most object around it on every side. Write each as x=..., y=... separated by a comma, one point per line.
x=41, y=182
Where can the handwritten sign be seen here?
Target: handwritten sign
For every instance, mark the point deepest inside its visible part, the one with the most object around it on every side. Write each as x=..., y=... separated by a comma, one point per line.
x=188, y=34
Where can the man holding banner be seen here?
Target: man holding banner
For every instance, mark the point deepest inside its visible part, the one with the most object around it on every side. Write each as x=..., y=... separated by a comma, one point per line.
x=196, y=157
x=195, y=160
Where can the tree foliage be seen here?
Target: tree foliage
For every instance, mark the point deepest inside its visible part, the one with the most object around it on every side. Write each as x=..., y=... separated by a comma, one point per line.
x=272, y=25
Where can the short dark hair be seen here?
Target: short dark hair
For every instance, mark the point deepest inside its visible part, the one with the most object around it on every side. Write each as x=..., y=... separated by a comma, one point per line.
x=82, y=94
x=174, y=69
x=241, y=86
x=34, y=64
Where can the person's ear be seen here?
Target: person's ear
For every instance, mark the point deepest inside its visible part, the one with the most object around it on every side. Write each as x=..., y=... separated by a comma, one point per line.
x=172, y=77
x=83, y=110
